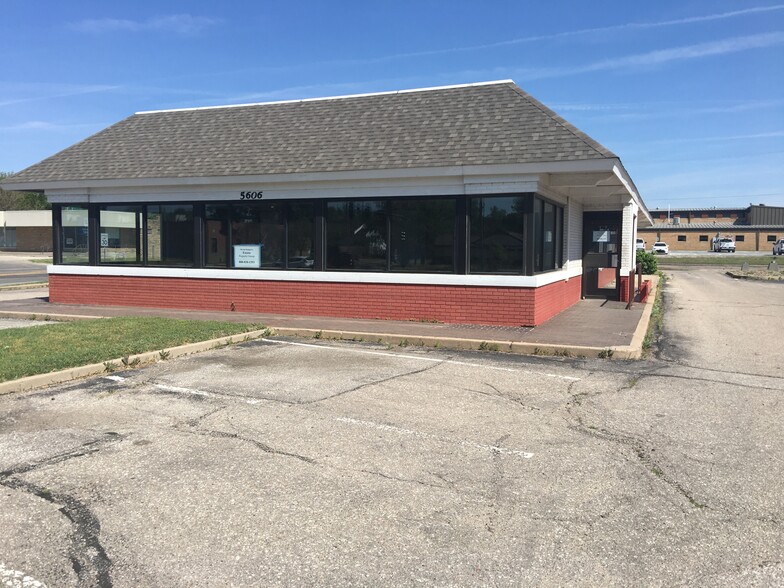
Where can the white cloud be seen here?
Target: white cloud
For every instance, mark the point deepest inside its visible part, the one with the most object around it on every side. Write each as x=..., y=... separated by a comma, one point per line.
x=180, y=24
x=34, y=92
x=41, y=125
x=566, y=34
x=640, y=60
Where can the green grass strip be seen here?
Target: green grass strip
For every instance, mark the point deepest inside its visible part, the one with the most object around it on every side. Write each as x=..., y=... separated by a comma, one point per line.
x=56, y=346
x=719, y=259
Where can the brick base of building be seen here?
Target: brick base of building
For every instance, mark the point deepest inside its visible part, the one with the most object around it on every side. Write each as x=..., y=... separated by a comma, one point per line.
x=483, y=305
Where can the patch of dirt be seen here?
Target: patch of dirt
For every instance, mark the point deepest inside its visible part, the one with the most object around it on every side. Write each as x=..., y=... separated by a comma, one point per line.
x=761, y=274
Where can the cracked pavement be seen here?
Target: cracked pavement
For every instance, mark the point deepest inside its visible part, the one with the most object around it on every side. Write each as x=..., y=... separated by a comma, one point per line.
x=311, y=463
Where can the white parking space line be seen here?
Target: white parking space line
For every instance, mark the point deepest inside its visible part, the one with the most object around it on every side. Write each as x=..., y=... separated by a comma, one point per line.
x=16, y=579
x=402, y=431
x=420, y=358
x=203, y=393
x=114, y=378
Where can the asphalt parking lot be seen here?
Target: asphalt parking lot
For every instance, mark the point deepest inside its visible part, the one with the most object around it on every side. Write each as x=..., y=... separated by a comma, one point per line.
x=312, y=463
x=17, y=269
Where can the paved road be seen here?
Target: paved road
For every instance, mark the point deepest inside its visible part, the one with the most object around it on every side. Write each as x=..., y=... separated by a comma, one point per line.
x=285, y=462
x=18, y=270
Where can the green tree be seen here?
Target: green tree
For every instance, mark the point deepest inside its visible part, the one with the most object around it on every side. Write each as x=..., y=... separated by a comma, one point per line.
x=12, y=200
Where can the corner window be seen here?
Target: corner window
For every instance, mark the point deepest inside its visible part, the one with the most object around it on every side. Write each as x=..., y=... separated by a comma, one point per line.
x=120, y=235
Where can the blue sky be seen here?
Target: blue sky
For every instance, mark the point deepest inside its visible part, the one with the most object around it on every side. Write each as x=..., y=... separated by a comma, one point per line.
x=689, y=93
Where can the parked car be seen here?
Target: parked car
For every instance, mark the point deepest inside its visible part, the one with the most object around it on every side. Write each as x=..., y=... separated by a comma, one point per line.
x=778, y=247
x=724, y=244
x=641, y=244
x=660, y=247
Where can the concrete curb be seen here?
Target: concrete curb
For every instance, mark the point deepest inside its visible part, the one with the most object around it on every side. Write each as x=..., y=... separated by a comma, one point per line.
x=27, y=286
x=441, y=342
x=632, y=351
x=95, y=369
x=60, y=318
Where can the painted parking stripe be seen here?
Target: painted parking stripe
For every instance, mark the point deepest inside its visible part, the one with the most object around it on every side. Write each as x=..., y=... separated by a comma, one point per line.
x=417, y=357
x=205, y=394
x=17, y=579
x=402, y=431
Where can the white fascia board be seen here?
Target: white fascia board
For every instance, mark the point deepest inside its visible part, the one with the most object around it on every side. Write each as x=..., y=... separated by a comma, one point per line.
x=513, y=169
x=627, y=182
x=366, y=188
x=332, y=98
x=328, y=276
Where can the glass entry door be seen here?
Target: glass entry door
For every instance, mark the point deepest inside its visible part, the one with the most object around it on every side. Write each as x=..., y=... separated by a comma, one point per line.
x=601, y=255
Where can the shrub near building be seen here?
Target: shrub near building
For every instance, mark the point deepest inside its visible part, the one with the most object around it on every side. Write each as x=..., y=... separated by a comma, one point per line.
x=650, y=264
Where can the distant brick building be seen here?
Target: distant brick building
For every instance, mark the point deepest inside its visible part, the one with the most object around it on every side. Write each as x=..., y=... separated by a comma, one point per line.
x=26, y=230
x=754, y=228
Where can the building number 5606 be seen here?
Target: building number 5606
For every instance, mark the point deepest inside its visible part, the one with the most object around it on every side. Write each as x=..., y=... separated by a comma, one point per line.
x=251, y=195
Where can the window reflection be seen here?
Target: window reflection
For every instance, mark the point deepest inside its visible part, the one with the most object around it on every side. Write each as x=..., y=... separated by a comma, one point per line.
x=120, y=234
x=497, y=238
x=357, y=235
x=74, y=235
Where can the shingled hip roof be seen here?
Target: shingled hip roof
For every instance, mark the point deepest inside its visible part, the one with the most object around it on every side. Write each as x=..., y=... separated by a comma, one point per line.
x=479, y=124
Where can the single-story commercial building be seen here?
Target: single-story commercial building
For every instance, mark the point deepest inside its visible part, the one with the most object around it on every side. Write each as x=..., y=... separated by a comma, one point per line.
x=25, y=230
x=754, y=228
x=463, y=204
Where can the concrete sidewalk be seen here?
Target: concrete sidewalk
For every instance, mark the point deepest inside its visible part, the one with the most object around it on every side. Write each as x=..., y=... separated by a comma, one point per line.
x=589, y=328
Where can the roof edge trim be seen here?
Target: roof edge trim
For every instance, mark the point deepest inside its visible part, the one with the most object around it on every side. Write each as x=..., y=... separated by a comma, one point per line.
x=296, y=100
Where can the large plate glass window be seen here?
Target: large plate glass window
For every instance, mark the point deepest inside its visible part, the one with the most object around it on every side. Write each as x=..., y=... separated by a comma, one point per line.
x=301, y=229
x=422, y=235
x=120, y=235
x=216, y=235
x=497, y=241
x=170, y=234
x=257, y=235
x=357, y=235
x=74, y=235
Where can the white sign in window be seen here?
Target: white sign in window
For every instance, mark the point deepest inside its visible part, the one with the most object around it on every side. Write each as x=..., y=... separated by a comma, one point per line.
x=247, y=256
x=601, y=236
x=104, y=239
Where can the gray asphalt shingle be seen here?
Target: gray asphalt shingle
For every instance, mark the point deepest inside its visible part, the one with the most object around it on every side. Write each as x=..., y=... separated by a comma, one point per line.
x=470, y=125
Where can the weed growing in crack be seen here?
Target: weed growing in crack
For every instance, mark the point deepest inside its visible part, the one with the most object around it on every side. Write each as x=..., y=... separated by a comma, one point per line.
x=656, y=324
x=317, y=334
x=485, y=346
x=606, y=354
x=163, y=354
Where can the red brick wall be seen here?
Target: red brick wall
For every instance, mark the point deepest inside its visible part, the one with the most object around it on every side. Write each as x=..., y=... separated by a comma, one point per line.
x=624, y=288
x=449, y=304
